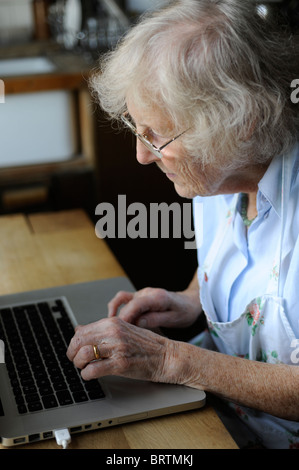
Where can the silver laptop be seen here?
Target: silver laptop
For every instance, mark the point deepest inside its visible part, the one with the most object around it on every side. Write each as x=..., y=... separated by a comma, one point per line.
x=41, y=391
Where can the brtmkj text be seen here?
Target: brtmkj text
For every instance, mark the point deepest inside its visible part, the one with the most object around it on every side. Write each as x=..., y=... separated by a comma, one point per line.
x=153, y=459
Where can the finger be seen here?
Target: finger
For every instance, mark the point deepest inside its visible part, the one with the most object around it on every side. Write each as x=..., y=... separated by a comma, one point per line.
x=73, y=347
x=97, y=369
x=121, y=298
x=84, y=356
x=157, y=319
x=143, y=304
x=100, y=333
x=83, y=335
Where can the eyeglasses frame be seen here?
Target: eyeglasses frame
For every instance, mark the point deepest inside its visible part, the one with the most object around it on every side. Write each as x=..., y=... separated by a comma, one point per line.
x=157, y=151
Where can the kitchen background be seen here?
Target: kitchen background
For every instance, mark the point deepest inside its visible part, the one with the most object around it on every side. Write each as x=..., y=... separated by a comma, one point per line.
x=57, y=151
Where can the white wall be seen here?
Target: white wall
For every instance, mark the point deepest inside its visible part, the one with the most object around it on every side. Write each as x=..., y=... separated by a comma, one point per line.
x=16, y=19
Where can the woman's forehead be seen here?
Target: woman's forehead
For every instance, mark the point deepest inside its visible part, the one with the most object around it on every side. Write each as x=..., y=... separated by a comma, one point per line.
x=149, y=115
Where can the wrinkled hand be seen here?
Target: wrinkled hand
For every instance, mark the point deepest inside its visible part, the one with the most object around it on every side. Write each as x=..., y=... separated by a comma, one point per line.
x=126, y=350
x=153, y=308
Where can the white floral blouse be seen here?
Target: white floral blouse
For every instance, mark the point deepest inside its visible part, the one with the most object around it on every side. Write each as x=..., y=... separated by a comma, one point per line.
x=249, y=282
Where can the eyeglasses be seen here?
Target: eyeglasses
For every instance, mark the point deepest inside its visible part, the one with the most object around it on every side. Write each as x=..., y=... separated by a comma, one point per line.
x=157, y=151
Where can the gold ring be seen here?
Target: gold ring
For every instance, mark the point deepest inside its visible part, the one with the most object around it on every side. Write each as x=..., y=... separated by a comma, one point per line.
x=96, y=352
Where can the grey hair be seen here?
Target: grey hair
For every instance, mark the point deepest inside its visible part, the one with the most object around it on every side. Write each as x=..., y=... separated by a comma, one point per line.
x=214, y=66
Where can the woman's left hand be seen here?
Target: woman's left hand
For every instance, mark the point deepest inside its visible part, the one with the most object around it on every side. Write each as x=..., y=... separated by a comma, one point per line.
x=125, y=350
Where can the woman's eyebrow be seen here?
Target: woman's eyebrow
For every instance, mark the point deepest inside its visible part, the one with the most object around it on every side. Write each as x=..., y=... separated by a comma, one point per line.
x=147, y=126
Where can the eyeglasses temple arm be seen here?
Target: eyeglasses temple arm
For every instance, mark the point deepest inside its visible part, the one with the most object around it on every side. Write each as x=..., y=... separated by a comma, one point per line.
x=172, y=140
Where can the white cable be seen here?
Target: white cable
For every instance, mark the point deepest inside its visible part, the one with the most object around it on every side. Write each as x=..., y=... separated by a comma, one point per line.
x=63, y=437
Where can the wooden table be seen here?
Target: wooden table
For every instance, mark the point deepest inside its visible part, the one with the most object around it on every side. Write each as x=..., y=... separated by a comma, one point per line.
x=51, y=249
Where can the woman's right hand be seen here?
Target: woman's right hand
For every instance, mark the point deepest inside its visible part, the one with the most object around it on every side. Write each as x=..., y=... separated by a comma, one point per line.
x=154, y=307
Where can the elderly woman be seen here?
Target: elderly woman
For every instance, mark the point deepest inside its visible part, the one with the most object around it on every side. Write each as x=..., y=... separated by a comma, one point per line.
x=205, y=86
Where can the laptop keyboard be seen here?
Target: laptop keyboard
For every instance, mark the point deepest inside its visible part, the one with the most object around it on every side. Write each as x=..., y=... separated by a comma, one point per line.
x=36, y=338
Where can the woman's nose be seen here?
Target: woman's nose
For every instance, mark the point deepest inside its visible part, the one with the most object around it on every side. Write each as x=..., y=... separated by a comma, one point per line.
x=143, y=155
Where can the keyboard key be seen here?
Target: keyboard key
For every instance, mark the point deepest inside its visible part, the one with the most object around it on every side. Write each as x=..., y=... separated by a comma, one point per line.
x=19, y=399
x=27, y=381
x=11, y=373
x=45, y=390
x=25, y=376
x=29, y=389
x=22, y=409
x=42, y=381
x=67, y=329
x=60, y=308
x=95, y=394
x=16, y=388
x=33, y=397
x=23, y=365
x=44, y=308
x=80, y=396
x=54, y=370
x=64, y=397
x=49, y=401
x=70, y=371
x=92, y=385
x=36, y=406
x=56, y=378
x=39, y=370
x=76, y=387
x=73, y=379
x=60, y=385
